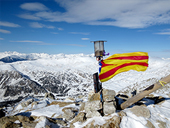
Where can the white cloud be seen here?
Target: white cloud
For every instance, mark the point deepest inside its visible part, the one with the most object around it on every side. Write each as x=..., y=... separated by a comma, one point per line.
x=8, y=24
x=5, y=31
x=78, y=45
x=1, y=38
x=54, y=32
x=35, y=42
x=121, y=13
x=85, y=39
x=81, y=33
x=34, y=6
x=60, y=29
x=29, y=17
x=39, y=25
x=164, y=32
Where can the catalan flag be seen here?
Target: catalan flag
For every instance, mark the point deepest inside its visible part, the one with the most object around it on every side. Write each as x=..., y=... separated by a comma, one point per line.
x=118, y=63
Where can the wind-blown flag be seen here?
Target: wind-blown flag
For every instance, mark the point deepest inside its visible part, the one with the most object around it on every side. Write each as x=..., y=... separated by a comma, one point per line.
x=118, y=63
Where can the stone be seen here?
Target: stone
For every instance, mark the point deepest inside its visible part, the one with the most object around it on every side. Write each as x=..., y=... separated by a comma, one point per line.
x=69, y=99
x=109, y=108
x=7, y=119
x=92, y=107
x=81, y=117
x=49, y=95
x=94, y=97
x=108, y=95
x=82, y=106
x=29, y=124
x=114, y=122
x=26, y=103
x=161, y=124
x=68, y=113
x=90, y=94
x=90, y=125
x=122, y=114
x=24, y=118
x=11, y=125
x=61, y=104
x=141, y=111
x=149, y=124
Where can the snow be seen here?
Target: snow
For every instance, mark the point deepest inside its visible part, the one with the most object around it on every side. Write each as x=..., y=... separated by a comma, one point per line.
x=158, y=68
x=128, y=122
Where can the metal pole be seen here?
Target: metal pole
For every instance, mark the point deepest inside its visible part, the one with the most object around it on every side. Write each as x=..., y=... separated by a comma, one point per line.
x=96, y=82
x=145, y=92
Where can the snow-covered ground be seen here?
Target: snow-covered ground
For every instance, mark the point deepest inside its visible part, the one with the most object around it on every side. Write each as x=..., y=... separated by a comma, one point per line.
x=127, y=81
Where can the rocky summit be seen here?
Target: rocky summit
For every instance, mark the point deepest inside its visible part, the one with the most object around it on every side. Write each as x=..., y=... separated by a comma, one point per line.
x=80, y=112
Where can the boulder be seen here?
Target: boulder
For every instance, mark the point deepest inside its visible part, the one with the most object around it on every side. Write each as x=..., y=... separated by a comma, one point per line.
x=114, y=122
x=82, y=106
x=27, y=102
x=69, y=113
x=109, y=108
x=11, y=125
x=122, y=114
x=149, y=124
x=92, y=107
x=49, y=95
x=141, y=111
x=7, y=119
x=108, y=95
x=94, y=97
x=81, y=117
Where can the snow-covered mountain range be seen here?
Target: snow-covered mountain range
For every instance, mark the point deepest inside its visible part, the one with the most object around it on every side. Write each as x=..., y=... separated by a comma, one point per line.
x=67, y=74
x=33, y=75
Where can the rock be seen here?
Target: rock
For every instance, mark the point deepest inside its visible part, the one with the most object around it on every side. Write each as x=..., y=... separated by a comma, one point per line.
x=61, y=122
x=61, y=104
x=109, y=108
x=26, y=103
x=69, y=99
x=114, y=122
x=81, y=117
x=141, y=111
x=69, y=113
x=92, y=107
x=122, y=114
x=2, y=113
x=95, y=96
x=149, y=124
x=24, y=118
x=108, y=95
x=90, y=94
x=7, y=119
x=57, y=121
x=49, y=95
x=82, y=106
x=161, y=124
x=90, y=125
x=11, y=125
x=29, y=124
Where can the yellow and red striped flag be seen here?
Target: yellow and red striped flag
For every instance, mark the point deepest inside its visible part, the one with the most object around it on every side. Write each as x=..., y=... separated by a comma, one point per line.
x=118, y=63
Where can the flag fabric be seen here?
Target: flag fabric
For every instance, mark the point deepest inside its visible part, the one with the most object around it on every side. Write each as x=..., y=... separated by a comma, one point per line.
x=118, y=63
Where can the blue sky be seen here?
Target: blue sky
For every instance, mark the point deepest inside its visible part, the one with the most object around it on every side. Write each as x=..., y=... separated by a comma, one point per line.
x=68, y=26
